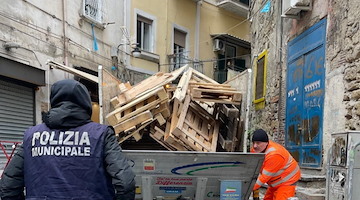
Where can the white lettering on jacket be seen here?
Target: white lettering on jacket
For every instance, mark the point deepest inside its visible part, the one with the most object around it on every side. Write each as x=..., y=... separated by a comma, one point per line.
x=64, y=143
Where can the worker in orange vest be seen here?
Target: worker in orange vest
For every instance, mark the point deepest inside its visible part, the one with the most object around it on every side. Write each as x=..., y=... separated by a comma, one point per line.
x=280, y=171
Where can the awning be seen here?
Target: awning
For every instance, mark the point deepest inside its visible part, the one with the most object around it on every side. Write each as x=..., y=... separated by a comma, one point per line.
x=74, y=71
x=23, y=72
x=232, y=39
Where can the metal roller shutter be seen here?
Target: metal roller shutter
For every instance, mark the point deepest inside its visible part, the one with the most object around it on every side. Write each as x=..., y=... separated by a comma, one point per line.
x=16, y=115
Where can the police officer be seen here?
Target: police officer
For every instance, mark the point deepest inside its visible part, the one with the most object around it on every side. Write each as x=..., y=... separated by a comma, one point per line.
x=69, y=156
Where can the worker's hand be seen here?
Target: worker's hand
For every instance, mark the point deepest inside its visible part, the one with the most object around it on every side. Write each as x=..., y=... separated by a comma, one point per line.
x=256, y=194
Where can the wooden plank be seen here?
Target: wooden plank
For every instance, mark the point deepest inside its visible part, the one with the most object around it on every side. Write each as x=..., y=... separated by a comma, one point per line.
x=196, y=130
x=182, y=86
x=225, y=101
x=230, y=111
x=162, y=143
x=203, y=77
x=158, y=134
x=157, y=80
x=133, y=121
x=137, y=136
x=118, y=116
x=215, y=137
x=201, y=111
x=183, y=138
x=160, y=119
x=225, y=144
x=205, y=145
x=198, y=92
x=162, y=108
x=212, y=85
x=183, y=114
x=174, y=117
x=134, y=132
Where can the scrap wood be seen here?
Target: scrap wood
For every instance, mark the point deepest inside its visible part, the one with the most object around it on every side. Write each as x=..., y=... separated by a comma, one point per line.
x=133, y=121
x=158, y=135
x=135, y=133
x=216, y=93
x=182, y=86
x=200, y=77
x=157, y=80
x=173, y=141
x=137, y=106
x=188, y=118
x=195, y=127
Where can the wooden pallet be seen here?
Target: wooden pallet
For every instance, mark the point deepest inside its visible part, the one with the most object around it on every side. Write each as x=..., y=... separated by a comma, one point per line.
x=196, y=127
x=132, y=122
x=133, y=133
x=158, y=135
x=229, y=126
x=137, y=106
x=217, y=93
x=159, y=79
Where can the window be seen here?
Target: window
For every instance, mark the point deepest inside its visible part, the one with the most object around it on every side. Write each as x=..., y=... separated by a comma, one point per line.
x=260, y=81
x=246, y=2
x=92, y=10
x=179, y=48
x=144, y=33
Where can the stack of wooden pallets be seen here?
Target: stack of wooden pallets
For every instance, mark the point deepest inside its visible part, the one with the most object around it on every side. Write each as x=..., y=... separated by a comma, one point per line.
x=178, y=108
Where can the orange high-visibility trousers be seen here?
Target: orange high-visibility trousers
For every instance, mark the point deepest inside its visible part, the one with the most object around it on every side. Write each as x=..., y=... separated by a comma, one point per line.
x=280, y=193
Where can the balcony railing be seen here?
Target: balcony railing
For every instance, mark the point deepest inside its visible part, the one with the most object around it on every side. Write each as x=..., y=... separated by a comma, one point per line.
x=179, y=60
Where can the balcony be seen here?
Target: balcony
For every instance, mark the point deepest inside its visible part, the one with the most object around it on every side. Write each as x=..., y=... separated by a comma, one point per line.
x=239, y=7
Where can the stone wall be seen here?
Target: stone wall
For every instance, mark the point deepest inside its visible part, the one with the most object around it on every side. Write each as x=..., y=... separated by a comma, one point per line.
x=264, y=28
x=342, y=79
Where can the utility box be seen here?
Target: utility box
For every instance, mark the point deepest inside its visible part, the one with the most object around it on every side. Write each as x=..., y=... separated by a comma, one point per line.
x=343, y=170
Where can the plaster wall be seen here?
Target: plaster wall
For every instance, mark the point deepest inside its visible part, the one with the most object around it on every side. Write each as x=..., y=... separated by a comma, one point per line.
x=45, y=31
x=215, y=20
x=182, y=15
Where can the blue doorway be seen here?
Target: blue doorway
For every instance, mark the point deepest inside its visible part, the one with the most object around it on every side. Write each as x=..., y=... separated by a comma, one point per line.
x=305, y=86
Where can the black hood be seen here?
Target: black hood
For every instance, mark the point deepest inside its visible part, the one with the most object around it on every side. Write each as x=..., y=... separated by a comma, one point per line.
x=70, y=105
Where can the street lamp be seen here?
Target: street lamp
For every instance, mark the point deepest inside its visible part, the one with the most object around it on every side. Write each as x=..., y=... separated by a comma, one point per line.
x=136, y=52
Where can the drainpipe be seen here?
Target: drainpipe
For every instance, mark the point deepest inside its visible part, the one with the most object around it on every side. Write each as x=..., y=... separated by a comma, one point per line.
x=126, y=22
x=197, y=30
x=64, y=32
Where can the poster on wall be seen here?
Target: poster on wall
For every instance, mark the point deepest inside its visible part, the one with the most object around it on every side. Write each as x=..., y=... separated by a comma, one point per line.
x=230, y=190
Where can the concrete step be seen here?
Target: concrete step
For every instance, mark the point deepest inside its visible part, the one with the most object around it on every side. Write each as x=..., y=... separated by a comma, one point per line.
x=310, y=193
x=312, y=181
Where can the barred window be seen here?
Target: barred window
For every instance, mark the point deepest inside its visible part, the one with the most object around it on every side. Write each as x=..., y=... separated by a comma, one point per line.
x=93, y=10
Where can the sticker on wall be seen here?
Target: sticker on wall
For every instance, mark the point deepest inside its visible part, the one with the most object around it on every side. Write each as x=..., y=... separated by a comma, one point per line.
x=230, y=189
x=149, y=164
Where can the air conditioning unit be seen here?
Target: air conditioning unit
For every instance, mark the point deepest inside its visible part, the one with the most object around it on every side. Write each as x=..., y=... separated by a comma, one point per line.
x=292, y=8
x=219, y=45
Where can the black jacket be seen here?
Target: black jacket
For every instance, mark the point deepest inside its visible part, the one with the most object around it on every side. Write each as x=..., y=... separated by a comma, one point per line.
x=71, y=107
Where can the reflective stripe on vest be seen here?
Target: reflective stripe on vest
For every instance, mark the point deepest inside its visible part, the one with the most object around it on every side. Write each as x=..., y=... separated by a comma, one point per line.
x=270, y=150
x=286, y=178
x=280, y=171
x=259, y=182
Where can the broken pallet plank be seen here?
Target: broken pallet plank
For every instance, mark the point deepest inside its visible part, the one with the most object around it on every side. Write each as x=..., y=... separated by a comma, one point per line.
x=133, y=121
x=131, y=109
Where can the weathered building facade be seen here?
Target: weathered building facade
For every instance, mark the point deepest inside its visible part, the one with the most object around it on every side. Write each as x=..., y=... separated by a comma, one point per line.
x=306, y=74
x=212, y=36
x=77, y=34
x=205, y=34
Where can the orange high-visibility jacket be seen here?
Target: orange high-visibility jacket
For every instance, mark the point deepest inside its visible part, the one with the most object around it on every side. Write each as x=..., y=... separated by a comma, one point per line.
x=279, y=167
